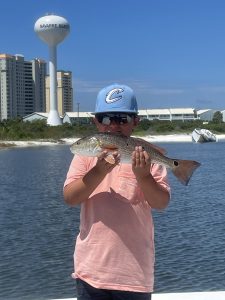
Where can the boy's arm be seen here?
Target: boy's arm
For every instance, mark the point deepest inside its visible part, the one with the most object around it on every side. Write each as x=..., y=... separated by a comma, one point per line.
x=80, y=189
x=156, y=196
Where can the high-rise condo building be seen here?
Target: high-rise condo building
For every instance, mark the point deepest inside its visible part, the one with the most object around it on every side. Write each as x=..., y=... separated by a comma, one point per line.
x=22, y=86
x=64, y=92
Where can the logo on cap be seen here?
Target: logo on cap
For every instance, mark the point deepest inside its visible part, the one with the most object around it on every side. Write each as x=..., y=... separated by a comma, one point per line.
x=114, y=95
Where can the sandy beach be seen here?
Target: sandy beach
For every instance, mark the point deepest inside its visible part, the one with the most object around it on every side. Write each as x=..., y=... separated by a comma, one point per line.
x=153, y=139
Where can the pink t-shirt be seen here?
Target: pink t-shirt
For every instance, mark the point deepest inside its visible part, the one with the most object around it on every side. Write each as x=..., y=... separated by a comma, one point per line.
x=115, y=246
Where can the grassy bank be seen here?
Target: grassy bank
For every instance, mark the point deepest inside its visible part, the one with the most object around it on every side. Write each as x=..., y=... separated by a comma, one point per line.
x=12, y=130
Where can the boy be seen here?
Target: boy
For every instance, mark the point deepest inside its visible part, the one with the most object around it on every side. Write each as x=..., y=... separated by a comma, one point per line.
x=114, y=253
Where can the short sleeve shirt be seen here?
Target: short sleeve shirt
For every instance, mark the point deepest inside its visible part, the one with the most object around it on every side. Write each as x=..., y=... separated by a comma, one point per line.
x=115, y=246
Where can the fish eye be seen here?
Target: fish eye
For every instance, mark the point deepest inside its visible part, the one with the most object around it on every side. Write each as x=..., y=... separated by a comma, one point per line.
x=175, y=163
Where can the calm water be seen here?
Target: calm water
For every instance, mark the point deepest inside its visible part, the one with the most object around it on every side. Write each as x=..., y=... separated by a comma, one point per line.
x=37, y=230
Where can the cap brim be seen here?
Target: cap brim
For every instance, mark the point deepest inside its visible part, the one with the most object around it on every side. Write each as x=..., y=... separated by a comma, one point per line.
x=115, y=111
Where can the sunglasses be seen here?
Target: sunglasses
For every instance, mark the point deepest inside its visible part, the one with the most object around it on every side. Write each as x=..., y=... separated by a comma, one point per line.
x=107, y=119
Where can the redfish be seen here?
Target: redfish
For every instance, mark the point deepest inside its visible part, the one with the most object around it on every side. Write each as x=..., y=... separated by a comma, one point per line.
x=96, y=143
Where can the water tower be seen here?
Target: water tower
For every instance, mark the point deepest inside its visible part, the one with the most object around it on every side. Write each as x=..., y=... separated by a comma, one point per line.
x=52, y=30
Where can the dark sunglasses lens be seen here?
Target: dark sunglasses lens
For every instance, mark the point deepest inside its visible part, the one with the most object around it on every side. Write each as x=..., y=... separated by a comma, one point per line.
x=99, y=118
x=119, y=119
x=122, y=120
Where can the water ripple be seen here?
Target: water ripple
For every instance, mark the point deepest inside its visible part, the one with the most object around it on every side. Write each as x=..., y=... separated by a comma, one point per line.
x=38, y=230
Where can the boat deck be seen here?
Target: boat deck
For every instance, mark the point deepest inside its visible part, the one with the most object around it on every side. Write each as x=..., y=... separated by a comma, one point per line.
x=220, y=295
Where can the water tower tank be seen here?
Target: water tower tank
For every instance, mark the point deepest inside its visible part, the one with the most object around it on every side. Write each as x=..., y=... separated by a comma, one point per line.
x=52, y=29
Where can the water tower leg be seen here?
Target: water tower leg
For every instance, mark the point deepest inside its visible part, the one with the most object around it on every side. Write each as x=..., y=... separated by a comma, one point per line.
x=53, y=117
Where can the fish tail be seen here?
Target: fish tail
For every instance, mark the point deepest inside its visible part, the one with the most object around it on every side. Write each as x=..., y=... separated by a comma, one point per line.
x=183, y=170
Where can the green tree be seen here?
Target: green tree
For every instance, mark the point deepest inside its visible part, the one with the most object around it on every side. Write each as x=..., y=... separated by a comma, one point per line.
x=144, y=124
x=217, y=117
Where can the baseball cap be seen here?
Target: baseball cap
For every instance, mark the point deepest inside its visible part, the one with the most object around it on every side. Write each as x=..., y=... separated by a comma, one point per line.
x=116, y=98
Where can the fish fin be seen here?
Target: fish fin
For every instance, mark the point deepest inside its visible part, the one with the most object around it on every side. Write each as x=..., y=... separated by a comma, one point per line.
x=183, y=169
x=108, y=146
x=161, y=150
x=110, y=159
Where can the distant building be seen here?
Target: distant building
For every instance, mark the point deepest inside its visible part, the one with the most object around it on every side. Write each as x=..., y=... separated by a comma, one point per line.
x=77, y=118
x=169, y=114
x=172, y=114
x=39, y=74
x=223, y=114
x=64, y=92
x=36, y=116
x=205, y=114
x=22, y=86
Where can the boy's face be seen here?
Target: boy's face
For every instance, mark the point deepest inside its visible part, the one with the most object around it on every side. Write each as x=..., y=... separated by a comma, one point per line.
x=116, y=122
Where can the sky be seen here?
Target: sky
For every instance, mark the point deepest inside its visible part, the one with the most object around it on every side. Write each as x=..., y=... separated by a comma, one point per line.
x=170, y=52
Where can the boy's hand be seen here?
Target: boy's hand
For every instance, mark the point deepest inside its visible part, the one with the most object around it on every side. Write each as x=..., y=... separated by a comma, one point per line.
x=141, y=162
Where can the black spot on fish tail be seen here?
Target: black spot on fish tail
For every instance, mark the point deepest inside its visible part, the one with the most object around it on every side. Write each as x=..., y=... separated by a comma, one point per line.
x=184, y=169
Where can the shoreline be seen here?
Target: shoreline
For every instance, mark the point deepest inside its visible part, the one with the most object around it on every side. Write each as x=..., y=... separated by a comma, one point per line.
x=68, y=141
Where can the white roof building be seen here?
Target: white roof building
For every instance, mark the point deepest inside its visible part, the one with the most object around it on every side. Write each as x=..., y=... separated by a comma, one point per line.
x=36, y=116
x=169, y=114
x=223, y=114
x=164, y=114
x=205, y=114
x=77, y=117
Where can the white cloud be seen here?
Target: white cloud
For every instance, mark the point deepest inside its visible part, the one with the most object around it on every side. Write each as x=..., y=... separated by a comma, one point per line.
x=84, y=86
x=212, y=89
x=153, y=93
